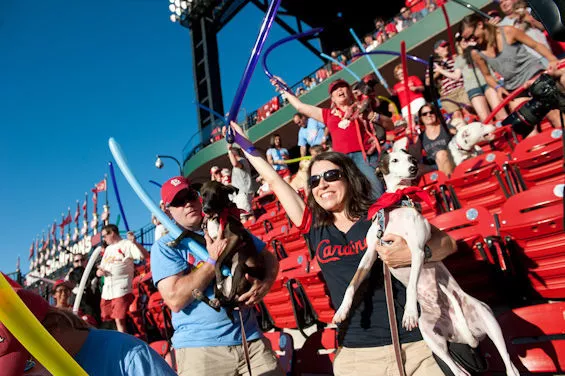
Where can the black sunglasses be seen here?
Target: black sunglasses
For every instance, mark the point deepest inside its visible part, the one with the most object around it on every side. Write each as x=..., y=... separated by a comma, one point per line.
x=78, y=260
x=184, y=197
x=329, y=176
x=427, y=113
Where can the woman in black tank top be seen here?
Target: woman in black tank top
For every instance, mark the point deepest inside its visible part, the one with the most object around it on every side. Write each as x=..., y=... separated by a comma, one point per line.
x=434, y=140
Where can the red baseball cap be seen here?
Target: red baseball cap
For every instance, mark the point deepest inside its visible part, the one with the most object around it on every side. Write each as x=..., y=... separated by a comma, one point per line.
x=172, y=187
x=336, y=84
x=62, y=282
x=13, y=356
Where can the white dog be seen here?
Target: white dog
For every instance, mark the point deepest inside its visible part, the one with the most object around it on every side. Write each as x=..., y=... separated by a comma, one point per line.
x=447, y=312
x=464, y=144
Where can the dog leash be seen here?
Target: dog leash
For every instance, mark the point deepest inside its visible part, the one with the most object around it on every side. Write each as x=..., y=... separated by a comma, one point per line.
x=390, y=303
x=244, y=342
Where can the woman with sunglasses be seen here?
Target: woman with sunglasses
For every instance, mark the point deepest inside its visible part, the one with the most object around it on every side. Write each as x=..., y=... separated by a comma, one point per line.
x=503, y=50
x=434, y=140
x=334, y=219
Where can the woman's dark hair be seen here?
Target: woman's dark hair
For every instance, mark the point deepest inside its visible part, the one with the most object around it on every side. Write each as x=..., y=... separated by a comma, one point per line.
x=473, y=20
x=273, y=140
x=431, y=106
x=358, y=188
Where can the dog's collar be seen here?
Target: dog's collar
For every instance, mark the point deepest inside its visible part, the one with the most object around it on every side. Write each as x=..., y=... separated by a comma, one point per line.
x=389, y=199
x=461, y=147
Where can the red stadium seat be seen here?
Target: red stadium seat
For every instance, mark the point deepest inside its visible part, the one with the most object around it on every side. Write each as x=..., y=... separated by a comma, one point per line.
x=317, y=292
x=503, y=141
x=431, y=183
x=284, y=291
x=285, y=245
x=539, y=159
x=283, y=345
x=480, y=182
x=535, y=340
x=160, y=315
x=532, y=222
x=317, y=354
x=474, y=263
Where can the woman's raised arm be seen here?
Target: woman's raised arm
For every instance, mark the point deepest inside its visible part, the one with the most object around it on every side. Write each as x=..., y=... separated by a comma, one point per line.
x=289, y=199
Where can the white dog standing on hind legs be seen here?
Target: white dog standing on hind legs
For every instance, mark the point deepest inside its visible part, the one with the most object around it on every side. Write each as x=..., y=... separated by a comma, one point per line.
x=447, y=312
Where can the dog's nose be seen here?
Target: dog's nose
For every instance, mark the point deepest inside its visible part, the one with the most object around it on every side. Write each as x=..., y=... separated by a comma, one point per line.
x=206, y=209
x=413, y=169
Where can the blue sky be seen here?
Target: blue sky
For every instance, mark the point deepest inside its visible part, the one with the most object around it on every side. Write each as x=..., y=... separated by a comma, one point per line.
x=74, y=73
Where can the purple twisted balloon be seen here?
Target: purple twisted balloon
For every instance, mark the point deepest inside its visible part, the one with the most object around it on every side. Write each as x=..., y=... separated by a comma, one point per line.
x=394, y=53
x=278, y=43
x=251, y=64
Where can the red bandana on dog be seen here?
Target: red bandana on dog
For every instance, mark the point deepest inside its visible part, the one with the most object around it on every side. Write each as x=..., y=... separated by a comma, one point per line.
x=389, y=199
x=227, y=212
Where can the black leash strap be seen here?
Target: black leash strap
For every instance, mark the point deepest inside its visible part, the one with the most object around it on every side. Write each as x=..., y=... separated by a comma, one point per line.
x=244, y=342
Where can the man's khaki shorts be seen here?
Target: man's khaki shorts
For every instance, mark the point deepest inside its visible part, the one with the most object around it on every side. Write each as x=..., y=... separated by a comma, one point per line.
x=417, y=357
x=228, y=360
x=458, y=96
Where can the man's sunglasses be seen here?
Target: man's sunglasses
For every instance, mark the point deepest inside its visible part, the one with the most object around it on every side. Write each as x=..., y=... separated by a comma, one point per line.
x=329, y=176
x=184, y=197
x=77, y=260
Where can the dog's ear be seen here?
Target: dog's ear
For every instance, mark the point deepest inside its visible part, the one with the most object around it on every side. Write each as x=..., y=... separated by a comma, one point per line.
x=382, y=167
x=229, y=189
x=404, y=151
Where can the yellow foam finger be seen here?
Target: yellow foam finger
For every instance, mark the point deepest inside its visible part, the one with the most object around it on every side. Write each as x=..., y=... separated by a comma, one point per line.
x=23, y=325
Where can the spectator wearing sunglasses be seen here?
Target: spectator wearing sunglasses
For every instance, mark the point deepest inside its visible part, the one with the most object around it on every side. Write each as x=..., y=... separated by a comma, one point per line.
x=117, y=268
x=207, y=342
x=334, y=220
x=97, y=352
x=434, y=140
x=349, y=130
x=90, y=303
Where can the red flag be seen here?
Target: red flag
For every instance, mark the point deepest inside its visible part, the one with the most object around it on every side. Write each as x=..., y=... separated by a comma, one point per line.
x=44, y=243
x=77, y=213
x=100, y=187
x=53, y=232
x=68, y=219
x=31, y=251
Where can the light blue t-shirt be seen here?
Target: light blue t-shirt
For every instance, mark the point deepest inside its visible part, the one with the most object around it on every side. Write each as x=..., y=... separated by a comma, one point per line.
x=312, y=134
x=111, y=353
x=277, y=155
x=198, y=325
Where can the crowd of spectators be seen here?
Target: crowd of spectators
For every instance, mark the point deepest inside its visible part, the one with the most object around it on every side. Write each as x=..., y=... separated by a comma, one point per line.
x=471, y=81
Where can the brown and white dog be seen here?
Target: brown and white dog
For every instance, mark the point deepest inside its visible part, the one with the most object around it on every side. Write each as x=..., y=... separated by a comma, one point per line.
x=447, y=312
x=240, y=255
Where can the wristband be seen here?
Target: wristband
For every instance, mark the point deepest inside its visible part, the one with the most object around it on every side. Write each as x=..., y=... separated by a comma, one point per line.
x=211, y=261
x=497, y=87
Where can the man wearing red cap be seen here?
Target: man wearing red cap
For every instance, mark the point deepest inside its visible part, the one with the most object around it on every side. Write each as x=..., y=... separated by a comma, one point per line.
x=349, y=131
x=207, y=342
x=98, y=352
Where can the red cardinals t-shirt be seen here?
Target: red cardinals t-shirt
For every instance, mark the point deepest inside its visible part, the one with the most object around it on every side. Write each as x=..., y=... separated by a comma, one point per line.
x=408, y=98
x=344, y=137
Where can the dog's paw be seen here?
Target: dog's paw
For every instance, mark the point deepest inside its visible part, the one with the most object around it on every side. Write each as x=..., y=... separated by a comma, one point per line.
x=340, y=315
x=215, y=303
x=410, y=320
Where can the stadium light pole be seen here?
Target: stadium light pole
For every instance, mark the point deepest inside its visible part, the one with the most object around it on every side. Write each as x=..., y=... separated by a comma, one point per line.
x=159, y=163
